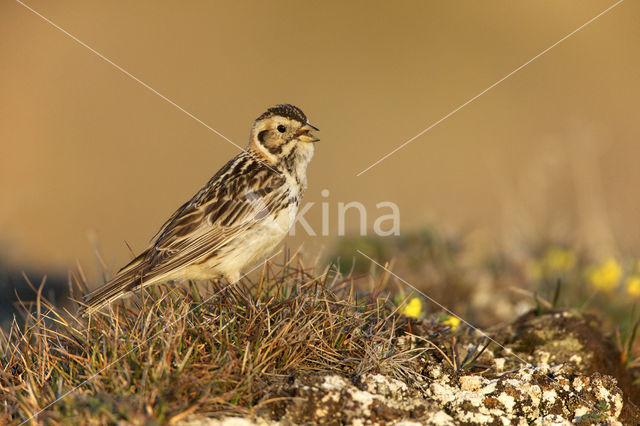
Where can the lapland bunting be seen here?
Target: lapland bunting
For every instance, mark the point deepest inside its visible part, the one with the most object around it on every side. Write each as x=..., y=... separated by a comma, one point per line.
x=239, y=216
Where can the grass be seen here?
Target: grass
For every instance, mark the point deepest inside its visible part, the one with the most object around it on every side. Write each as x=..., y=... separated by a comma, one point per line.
x=493, y=288
x=181, y=354
x=218, y=350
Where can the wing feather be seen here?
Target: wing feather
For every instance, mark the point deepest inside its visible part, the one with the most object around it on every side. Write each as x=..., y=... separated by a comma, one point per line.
x=206, y=226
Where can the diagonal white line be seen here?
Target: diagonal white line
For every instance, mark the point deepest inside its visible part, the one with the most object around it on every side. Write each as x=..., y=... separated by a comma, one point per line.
x=398, y=148
x=435, y=302
x=128, y=74
x=507, y=351
x=140, y=344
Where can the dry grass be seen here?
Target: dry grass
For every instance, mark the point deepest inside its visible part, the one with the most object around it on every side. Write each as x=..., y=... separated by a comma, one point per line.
x=216, y=350
x=170, y=353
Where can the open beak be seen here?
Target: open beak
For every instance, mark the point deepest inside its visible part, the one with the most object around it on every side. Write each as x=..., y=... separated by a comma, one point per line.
x=304, y=133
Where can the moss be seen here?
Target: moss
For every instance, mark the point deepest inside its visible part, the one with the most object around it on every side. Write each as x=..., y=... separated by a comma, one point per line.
x=528, y=343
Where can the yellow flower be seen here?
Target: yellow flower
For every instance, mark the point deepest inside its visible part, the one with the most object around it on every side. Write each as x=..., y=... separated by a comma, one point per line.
x=557, y=259
x=606, y=277
x=452, y=321
x=633, y=286
x=413, y=308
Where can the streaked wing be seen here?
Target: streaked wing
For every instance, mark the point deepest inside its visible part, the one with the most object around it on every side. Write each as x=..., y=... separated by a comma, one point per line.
x=226, y=207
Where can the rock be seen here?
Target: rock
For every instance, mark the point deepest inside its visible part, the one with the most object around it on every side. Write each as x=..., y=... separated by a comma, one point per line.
x=567, y=377
x=575, y=341
x=528, y=394
x=379, y=400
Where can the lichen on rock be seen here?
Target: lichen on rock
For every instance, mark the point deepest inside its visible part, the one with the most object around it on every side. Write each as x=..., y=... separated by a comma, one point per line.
x=567, y=378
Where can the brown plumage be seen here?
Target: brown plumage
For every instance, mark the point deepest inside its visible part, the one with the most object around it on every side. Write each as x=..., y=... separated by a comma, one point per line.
x=240, y=215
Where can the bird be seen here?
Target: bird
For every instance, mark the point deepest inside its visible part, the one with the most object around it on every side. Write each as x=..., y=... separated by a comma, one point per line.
x=239, y=216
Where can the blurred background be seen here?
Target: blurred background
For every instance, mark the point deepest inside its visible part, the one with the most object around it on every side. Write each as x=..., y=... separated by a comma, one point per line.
x=91, y=159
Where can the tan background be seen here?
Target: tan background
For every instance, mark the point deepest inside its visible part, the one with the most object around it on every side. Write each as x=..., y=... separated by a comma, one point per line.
x=89, y=154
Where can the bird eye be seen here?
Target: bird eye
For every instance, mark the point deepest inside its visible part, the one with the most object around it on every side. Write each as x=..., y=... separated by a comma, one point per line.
x=282, y=129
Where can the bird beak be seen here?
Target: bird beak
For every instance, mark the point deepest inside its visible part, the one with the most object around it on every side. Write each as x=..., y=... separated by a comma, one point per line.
x=304, y=134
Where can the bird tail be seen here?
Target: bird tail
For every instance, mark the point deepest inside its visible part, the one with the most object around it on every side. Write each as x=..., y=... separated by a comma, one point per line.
x=128, y=278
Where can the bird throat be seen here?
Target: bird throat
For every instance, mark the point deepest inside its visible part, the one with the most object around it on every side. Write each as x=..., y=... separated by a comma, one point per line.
x=295, y=162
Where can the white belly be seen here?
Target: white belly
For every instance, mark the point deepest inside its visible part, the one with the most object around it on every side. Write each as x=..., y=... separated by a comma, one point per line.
x=248, y=248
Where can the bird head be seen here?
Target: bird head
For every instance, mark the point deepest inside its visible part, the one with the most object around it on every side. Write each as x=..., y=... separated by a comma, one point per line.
x=280, y=132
